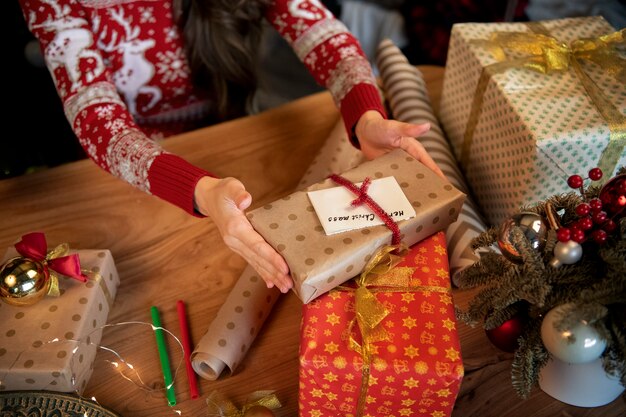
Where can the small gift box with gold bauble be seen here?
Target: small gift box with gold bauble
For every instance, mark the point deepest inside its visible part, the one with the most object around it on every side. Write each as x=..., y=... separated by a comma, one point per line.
x=386, y=346
x=54, y=308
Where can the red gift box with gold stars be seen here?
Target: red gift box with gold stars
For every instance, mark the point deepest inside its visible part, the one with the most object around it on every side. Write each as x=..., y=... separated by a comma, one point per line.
x=387, y=345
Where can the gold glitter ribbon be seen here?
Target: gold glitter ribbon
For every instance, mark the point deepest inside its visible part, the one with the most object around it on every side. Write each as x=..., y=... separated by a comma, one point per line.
x=369, y=312
x=545, y=54
x=61, y=250
x=218, y=405
x=99, y=279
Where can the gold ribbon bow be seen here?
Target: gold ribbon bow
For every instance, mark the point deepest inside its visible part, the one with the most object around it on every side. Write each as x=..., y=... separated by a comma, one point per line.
x=218, y=405
x=545, y=54
x=369, y=312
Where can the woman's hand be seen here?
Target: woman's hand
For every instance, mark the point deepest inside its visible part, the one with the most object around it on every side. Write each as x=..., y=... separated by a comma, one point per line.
x=224, y=200
x=377, y=136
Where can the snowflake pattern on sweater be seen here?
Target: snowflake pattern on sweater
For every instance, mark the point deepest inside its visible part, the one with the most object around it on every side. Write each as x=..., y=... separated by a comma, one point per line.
x=120, y=69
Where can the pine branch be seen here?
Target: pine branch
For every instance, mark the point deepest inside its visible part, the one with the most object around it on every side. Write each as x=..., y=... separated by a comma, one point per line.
x=485, y=239
x=528, y=360
x=498, y=316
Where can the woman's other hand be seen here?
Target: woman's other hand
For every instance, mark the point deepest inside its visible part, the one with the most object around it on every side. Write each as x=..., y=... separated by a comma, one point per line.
x=225, y=200
x=377, y=136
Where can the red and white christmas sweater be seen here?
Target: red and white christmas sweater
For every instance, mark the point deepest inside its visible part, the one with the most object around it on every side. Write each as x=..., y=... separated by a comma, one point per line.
x=120, y=69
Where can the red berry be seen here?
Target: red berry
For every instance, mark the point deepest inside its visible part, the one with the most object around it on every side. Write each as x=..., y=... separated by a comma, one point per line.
x=621, y=187
x=577, y=235
x=586, y=223
x=595, y=174
x=599, y=217
x=563, y=234
x=609, y=226
x=575, y=181
x=599, y=236
x=595, y=204
x=583, y=209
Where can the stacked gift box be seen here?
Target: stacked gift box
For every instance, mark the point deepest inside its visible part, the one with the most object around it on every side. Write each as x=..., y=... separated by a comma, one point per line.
x=386, y=345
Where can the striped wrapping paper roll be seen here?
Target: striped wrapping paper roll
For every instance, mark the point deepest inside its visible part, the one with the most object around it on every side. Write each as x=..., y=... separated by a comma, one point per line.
x=405, y=89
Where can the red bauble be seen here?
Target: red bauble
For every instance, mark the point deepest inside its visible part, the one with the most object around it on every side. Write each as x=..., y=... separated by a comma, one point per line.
x=613, y=194
x=505, y=336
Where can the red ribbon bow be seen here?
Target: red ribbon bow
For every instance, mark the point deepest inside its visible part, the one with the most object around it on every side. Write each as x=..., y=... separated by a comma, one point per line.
x=34, y=246
x=364, y=198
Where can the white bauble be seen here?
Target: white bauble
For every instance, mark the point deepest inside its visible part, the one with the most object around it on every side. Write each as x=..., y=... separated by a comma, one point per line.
x=587, y=344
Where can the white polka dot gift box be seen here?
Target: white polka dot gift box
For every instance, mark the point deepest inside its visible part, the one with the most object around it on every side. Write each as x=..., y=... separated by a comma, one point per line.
x=319, y=262
x=526, y=105
x=52, y=345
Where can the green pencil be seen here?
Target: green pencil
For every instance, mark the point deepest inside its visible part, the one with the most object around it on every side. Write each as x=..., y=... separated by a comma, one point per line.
x=165, y=361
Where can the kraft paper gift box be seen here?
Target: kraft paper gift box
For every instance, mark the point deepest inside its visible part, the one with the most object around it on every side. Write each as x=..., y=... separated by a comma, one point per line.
x=407, y=362
x=518, y=133
x=52, y=345
x=319, y=262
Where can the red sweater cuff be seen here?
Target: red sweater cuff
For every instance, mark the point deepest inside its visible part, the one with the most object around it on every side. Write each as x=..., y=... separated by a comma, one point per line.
x=360, y=99
x=174, y=180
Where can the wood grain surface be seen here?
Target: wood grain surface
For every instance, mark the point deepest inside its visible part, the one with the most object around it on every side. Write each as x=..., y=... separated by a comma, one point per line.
x=163, y=255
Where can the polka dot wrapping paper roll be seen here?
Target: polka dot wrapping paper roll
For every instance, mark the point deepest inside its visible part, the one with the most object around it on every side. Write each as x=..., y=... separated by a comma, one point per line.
x=405, y=91
x=52, y=345
x=235, y=327
x=319, y=262
x=518, y=134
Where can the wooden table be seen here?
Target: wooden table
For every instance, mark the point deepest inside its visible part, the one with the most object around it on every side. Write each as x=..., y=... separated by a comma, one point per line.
x=163, y=255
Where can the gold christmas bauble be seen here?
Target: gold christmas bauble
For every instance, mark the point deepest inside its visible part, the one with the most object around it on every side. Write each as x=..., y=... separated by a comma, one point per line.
x=23, y=281
x=258, y=411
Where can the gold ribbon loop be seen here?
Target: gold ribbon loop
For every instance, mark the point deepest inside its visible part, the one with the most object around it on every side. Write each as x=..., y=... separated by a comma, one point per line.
x=219, y=405
x=61, y=250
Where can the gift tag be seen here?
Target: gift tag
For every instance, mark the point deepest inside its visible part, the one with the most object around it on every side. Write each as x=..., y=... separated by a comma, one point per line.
x=333, y=208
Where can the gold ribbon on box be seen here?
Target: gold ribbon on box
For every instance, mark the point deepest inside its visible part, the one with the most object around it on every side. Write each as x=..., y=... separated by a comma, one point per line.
x=546, y=54
x=369, y=312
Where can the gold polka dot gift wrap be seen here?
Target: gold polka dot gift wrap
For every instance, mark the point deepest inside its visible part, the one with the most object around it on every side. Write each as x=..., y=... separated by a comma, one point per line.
x=318, y=262
x=30, y=358
x=405, y=90
x=518, y=133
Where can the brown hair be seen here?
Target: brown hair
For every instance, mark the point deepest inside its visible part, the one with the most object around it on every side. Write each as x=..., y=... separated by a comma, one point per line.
x=222, y=40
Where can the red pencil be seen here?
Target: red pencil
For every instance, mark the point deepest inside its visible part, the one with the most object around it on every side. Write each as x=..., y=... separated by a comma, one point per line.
x=186, y=340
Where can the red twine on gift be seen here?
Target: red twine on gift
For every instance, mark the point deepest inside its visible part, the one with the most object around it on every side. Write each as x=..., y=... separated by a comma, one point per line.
x=364, y=198
x=34, y=246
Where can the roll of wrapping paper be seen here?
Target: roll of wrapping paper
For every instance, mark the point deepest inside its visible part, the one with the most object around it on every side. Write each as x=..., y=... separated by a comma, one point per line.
x=405, y=90
x=242, y=315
